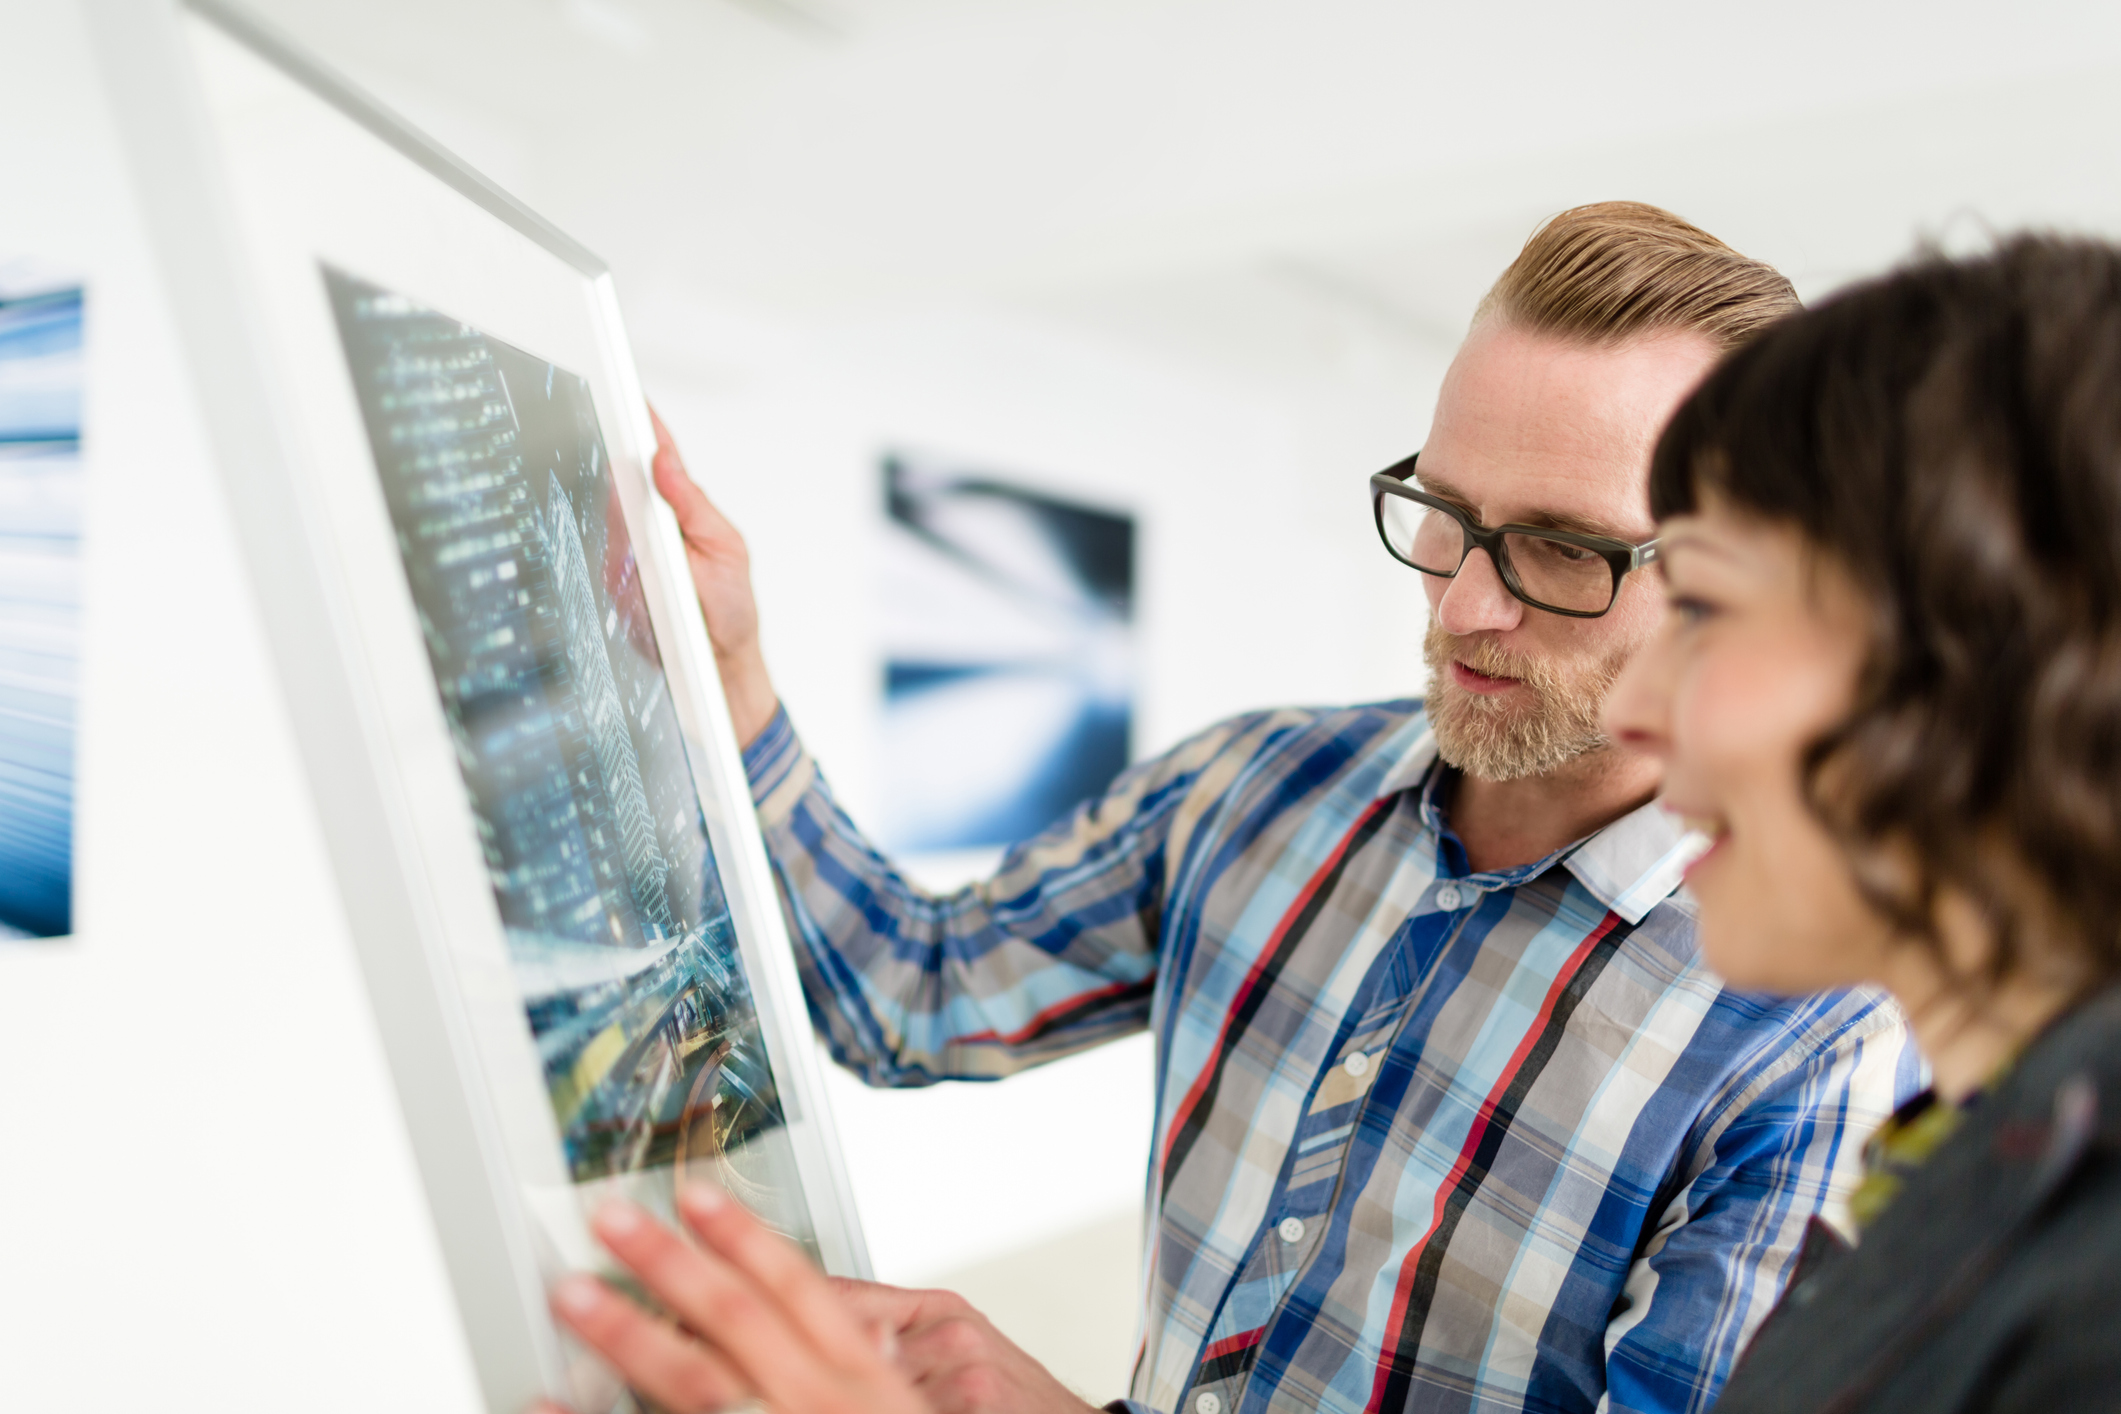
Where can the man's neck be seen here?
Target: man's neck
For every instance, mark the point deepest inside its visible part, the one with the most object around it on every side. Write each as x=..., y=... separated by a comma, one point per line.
x=1503, y=824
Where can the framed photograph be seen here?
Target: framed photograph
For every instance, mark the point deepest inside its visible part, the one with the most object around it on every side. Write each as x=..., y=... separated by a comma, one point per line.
x=436, y=447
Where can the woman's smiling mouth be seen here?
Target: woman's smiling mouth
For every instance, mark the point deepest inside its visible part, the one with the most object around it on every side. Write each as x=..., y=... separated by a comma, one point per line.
x=1705, y=835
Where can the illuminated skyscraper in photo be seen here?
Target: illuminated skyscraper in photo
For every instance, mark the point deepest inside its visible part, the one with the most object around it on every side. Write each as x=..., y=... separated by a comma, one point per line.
x=597, y=699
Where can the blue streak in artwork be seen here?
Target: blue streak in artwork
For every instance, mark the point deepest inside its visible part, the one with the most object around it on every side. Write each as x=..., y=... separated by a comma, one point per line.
x=40, y=607
x=1008, y=617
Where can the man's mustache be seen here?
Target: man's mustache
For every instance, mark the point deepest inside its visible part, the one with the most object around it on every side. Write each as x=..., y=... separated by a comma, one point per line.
x=1483, y=655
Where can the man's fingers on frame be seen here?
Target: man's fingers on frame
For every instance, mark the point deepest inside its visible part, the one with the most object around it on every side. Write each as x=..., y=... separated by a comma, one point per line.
x=950, y=1343
x=883, y=1336
x=966, y=1390
x=902, y=1307
x=663, y=440
x=676, y=484
x=670, y=1368
x=699, y=520
x=779, y=1268
x=713, y=1298
x=668, y=465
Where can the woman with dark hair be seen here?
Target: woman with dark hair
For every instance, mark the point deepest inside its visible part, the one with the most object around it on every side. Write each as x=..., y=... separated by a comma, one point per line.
x=1888, y=695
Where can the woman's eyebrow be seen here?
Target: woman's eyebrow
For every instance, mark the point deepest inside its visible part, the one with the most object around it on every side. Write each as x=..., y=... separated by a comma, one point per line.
x=1686, y=541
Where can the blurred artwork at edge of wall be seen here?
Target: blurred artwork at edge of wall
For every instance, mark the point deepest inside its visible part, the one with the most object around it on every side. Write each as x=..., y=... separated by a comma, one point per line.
x=1007, y=621
x=40, y=593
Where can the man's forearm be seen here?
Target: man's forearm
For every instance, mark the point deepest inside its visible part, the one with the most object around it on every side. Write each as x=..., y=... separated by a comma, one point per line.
x=911, y=987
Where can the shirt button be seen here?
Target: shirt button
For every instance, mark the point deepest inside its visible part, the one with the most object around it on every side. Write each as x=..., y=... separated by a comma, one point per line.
x=1208, y=1402
x=1291, y=1230
x=1447, y=897
x=1357, y=1064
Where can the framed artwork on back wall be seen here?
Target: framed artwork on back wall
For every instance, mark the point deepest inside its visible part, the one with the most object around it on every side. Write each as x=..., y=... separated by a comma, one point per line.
x=1007, y=617
x=40, y=593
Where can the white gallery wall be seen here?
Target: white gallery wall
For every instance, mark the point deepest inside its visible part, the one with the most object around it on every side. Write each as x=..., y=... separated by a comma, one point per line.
x=207, y=1200
x=1201, y=261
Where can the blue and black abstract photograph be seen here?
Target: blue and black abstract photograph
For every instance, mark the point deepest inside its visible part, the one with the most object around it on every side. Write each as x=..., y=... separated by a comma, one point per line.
x=1008, y=627
x=40, y=599
x=529, y=597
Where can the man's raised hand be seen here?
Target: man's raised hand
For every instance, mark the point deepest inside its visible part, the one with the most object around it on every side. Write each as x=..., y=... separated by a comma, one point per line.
x=721, y=577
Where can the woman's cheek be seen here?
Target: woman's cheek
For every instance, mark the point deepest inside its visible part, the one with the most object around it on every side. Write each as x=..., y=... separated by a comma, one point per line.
x=1730, y=759
x=1724, y=736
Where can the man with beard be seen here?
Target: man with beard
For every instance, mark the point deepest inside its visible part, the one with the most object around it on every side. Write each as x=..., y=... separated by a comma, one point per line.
x=1450, y=1115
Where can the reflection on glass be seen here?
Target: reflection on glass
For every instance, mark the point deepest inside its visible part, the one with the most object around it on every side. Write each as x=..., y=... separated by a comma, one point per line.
x=530, y=601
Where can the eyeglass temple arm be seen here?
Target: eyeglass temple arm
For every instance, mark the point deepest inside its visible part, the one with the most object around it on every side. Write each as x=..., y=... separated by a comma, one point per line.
x=1401, y=470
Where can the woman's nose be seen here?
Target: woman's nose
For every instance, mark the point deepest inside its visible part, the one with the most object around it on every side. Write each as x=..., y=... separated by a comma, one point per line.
x=1638, y=710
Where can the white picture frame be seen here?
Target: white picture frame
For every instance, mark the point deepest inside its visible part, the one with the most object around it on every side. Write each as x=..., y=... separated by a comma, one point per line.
x=258, y=171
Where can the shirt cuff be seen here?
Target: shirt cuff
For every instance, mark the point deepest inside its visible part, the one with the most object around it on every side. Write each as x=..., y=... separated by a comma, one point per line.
x=779, y=769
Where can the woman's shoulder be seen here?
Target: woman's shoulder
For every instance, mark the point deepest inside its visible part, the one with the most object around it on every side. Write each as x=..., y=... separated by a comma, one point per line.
x=1989, y=1281
x=2048, y=1313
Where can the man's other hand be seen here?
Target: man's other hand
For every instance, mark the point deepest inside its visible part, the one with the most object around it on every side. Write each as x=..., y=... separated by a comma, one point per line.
x=721, y=577
x=754, y=1320
x=956, y=1358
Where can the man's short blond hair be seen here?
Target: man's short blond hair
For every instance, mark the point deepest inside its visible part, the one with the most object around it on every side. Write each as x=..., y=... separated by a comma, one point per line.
x=1617, y=269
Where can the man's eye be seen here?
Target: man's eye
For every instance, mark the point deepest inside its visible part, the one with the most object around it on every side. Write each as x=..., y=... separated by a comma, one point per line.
x=1538, y=549
x=1690, y=610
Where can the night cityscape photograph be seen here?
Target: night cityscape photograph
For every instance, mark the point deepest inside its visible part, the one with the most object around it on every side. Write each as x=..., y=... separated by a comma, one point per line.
x=495, y=472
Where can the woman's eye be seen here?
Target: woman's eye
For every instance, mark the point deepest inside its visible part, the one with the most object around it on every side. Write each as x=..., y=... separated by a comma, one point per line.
x=1690, y=610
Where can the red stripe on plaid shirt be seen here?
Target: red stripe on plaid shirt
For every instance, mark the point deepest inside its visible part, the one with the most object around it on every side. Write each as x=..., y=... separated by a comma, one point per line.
x=1255, y=978
x=1408, y=1266
x=1046, y=1018
x=1231, y=1343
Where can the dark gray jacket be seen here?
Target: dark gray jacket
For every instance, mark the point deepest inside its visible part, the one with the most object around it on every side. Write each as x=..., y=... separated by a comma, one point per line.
x=1993, y=1282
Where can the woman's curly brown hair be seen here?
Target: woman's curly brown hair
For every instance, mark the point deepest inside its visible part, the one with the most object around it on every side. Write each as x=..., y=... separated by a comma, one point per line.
x=1950, y=436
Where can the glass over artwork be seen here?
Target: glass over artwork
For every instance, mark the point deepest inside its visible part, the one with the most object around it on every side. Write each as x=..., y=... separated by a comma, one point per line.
x=530, y=602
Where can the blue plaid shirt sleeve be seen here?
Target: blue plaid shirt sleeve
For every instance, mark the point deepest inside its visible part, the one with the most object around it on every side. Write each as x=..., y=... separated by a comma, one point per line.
x=1787, y=1148
x=1056, y=953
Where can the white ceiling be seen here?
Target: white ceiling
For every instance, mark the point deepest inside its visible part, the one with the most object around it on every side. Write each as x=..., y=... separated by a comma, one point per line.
x=1249, y=183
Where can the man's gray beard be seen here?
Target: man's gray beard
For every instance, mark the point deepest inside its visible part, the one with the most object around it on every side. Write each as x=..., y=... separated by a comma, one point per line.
x=1498, y=741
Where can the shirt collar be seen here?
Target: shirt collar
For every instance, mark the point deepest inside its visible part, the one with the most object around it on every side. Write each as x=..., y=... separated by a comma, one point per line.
x=1630, y=866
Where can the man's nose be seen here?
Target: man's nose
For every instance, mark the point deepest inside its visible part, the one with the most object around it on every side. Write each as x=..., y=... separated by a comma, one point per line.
x=1477, y=600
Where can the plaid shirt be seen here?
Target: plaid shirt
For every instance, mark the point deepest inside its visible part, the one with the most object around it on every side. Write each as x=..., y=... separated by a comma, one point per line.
x=1426, y=1138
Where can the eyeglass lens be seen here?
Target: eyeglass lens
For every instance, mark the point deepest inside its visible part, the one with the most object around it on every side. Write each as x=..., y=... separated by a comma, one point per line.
x=1552, y=572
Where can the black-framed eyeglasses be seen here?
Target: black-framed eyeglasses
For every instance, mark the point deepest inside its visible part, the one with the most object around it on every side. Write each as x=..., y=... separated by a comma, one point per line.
x=1560, y=571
